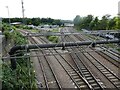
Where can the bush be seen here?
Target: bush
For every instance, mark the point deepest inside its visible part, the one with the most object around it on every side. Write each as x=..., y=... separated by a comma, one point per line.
x=7, y=34
x=23, y=77
x=53, y=39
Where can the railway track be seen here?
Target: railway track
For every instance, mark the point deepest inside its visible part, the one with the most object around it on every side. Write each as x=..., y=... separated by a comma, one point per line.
x=110, y=55
x=107, y=56
x=85, y=72
x=76, y=78
x=81, y=76
x=73, y=73
x=49, y=75
x=114, y=79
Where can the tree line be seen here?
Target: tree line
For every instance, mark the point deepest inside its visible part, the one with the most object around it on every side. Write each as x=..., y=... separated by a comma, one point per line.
x=94, y=23
x=34, y=21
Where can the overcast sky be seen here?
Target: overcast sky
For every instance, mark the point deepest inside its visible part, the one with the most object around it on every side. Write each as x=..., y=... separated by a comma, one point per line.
x=59, y=9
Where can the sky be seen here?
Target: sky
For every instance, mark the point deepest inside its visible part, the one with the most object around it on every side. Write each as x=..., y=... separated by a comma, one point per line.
x=58, y=9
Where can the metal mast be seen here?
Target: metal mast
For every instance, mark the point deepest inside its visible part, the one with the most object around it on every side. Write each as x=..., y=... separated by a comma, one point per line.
x=23, y=10
x=8, y=14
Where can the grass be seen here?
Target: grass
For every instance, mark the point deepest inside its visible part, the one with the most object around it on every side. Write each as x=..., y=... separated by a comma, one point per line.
x=23, y=77
x=55, y=30
x=53, y=39
x=34, y=31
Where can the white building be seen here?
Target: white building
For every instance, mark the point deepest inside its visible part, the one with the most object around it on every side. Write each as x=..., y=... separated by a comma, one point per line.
x=119, y=8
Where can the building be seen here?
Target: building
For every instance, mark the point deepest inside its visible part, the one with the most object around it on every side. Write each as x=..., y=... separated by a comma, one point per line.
x=119, y=9
x=68, y=24
x=16, y=23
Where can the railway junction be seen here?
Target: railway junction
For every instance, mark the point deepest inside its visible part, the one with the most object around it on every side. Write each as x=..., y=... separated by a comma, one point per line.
x=82, y=61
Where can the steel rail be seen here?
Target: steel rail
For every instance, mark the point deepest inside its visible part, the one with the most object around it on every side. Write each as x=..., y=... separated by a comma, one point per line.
x=109, y=58
x=42, y=68
x=89, y=86
x=55, y=77
x=101, y=68
x=80, y=65
x=65, y=68
x=103, y=54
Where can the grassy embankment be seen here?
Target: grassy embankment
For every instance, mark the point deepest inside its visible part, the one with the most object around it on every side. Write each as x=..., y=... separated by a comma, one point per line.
x=23, y=77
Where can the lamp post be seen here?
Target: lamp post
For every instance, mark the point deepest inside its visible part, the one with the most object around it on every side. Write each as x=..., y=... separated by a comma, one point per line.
x=8, y=13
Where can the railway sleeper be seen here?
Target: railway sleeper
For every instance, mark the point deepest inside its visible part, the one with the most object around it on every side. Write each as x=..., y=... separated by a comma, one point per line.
x=117, y=83
x=75, y=77
x=118, y=86
x=111, y=77
x=80, y=83
x=101, y=68
x=114, y=80
x=83, y=68
x=89, y=78
x=83, y=86
x=109, y=74
x=91, y=81
x=94, y=84
x=106, y=72
x=85, y=72
x=86, y=75
x=73, y=74
x=96, y=88
x=70, y=70
x=78, y=80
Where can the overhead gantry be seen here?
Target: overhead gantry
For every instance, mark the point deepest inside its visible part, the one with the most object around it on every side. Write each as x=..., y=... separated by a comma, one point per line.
x=63, y=45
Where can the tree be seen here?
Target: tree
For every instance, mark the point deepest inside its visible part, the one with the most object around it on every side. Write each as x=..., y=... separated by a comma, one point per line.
x=117, y=19
x=112, y=24
x=36, y=21
x=103, y=25
x=76, y=20
x=87, y=21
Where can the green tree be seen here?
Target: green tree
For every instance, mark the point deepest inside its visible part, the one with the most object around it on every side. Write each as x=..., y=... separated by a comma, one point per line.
x=83, y=22
x=112, y=24
x=86, y=22
x=117, y=19
x=76, y=20
x=36, y=21
x=103, y=25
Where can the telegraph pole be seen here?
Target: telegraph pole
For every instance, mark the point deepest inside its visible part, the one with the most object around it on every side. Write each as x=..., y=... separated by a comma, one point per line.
x=8, y=13
x=23, y=16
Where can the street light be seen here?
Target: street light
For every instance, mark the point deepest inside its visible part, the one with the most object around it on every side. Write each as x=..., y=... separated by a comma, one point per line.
x=8, y=13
